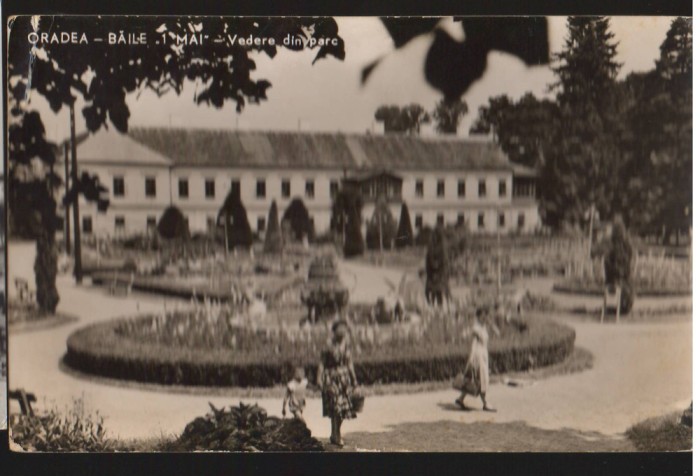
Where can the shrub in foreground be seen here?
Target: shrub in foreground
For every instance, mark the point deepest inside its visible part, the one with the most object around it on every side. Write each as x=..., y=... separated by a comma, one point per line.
x=56, y=432
x=244, y=428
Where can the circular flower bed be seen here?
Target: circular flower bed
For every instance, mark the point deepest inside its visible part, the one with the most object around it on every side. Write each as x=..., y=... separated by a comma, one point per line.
x=186, y=349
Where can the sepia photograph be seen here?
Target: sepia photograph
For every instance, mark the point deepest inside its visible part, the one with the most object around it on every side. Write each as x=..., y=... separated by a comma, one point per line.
x=348, y=234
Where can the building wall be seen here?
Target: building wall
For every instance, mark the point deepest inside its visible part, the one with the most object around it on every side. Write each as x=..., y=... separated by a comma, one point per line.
x=136, y=209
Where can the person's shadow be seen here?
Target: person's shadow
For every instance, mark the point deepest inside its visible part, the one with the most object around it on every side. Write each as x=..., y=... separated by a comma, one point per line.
x=453, y=407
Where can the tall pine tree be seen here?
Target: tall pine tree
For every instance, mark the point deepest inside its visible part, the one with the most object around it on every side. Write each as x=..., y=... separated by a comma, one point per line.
x=581, y=170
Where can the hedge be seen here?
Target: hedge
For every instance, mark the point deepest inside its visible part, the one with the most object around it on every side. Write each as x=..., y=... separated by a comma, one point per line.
x=100, y=350
x=593, y=289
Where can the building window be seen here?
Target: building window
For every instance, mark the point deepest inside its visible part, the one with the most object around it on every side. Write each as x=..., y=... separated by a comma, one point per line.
x=183, y=188
x=286, y=189
x=501, y=188
x=118, y=186
x=119, y=223
x=521, y=220
x=440, y=188
x=261, y=224
x=419, y=221
x=480, y=220
x=150, y=187
x=334, y=188
x=461, y=189
x=209, y=188
x=460, y=219
x=419, y=188
x=482, y=188
x=501, y=219
x=260, y=188
x=310, y=189
x=87, y=225
x=150, y=223
x=440, y=219
x=236, y=188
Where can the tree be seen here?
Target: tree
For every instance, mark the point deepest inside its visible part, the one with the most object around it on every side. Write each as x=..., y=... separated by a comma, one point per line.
x=452, y=66
x=354, y=244
x=404, y=234
x=523, y=129
x=273, y=234
x=406, y=119
x=618, y=265
x=437, y=285
x=297, y=216
x=448, y=115
x=582, y=169
x=381, y=228
x=345, y=202
x=106, y=72
x=234, y=218
x=172, y=224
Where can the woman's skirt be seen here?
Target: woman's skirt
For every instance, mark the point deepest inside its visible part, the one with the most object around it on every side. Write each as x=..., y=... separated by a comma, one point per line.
x=336, y=393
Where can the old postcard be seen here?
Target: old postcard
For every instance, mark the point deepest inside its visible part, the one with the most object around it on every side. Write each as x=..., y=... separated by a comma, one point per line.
x=424, y=234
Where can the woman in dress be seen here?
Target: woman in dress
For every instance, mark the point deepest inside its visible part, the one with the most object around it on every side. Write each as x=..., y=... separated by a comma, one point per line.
x=336, y=377
x=478, y=362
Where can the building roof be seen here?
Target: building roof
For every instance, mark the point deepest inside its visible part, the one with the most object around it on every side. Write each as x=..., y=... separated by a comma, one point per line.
x=112, y=147
x=300, y=150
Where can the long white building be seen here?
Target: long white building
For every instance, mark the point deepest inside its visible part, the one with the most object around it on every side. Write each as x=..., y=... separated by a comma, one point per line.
x=442, y=180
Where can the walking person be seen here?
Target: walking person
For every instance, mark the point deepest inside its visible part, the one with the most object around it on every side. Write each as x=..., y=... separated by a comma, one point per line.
x=476, y=373
x=336, y=377
x=295, y=396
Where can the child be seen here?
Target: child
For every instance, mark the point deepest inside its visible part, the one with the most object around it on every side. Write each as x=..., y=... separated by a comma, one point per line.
x=296, y=395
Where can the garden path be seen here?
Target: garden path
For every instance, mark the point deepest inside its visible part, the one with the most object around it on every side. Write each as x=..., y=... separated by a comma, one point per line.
x=640, y=371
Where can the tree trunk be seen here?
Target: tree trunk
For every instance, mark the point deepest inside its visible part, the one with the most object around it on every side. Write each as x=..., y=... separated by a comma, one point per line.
x=45, y=270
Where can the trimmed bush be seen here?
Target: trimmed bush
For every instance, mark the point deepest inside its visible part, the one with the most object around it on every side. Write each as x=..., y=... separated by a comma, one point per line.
x=297, y=216
x=234, y=218
x=273, y=234
x=437, y=286
x=354, y=245
x=257, y=361
x=172, y=224
x=404, y=235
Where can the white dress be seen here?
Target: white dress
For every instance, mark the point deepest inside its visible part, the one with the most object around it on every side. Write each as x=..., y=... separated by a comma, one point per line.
x=479, y=356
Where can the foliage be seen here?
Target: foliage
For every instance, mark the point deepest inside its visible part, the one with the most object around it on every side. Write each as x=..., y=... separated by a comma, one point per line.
x=663, y=433
x=244, y=428
x=182, y=348
x=404, y=234
x=448, y=115
x=406, y=119
x=56, y=432
x=452, y=66
x=273, y=234
x=173, y=225
x=618, y=260
x=354, y=244
x=523, y=128
x=297, y=217
x=381, y=220
x=235, y=222
x=437, y=286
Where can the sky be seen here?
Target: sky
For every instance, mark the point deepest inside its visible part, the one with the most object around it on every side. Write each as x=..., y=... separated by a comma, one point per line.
x=328, y=95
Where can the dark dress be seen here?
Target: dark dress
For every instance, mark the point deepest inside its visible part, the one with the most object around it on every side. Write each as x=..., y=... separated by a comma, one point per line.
x=336, y=383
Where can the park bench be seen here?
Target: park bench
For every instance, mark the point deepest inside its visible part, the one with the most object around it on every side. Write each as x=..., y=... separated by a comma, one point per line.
x=23, y=292
x=614, y=293
x=121, y=286
x=25, y=400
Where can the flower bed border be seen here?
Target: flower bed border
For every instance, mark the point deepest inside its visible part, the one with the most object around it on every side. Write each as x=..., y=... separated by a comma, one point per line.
x=98, y=350
x=565, y=288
